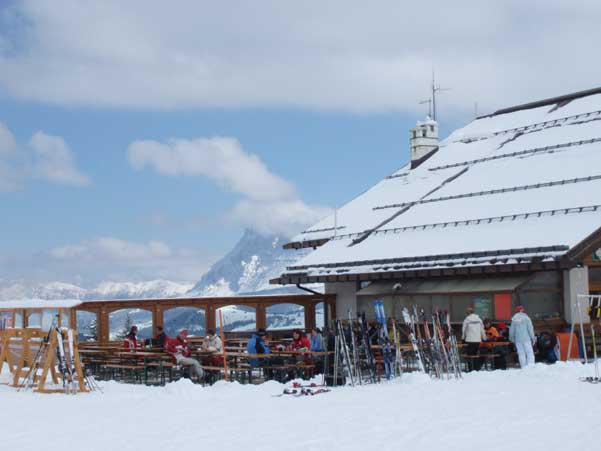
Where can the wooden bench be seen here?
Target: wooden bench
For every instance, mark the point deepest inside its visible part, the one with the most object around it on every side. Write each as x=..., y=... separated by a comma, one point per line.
x=134, y=370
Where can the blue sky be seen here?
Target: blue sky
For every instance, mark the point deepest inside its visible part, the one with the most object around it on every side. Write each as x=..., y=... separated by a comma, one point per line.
x=306, y=104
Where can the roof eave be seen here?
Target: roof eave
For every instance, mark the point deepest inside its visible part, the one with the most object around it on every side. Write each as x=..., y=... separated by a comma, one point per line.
x=306, y=244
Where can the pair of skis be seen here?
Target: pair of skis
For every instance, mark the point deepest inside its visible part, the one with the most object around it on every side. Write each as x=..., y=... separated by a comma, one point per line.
x=67, y=368
x=303, y=391
x=409, y=320
x=369, y=355
x=384, y=340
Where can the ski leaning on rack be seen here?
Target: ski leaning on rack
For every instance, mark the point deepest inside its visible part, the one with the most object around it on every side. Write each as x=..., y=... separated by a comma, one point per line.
x=384, y=339
x=369, y=355
x=62, y=362
x=409, y=321
x=398, y=355
x=71, y=359
x=355, y=351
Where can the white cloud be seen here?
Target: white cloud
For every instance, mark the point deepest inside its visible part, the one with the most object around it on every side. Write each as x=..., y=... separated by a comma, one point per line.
x=113, y=249
x=340, y=54
x=46, y=157
x=8, y=144
x=53, y=160
x=112, y=258
x=270, y=205
x=220, y=159
x=279, y=217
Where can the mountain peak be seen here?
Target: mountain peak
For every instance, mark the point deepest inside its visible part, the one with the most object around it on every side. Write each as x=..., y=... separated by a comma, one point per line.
x=247, y=268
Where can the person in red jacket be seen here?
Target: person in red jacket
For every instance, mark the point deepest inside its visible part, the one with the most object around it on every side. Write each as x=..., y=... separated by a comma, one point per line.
x=300, y=342
x=130, y=342
x=179, y=348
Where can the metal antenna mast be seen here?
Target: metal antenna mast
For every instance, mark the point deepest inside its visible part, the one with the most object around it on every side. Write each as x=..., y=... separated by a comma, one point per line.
x=435, y=88
x=429, y=102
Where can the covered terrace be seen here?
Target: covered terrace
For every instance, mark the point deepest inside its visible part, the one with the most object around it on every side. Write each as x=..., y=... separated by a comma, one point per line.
x=210, y=305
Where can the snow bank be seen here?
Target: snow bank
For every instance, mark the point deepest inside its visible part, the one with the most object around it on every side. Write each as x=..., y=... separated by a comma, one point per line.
x=541, y=408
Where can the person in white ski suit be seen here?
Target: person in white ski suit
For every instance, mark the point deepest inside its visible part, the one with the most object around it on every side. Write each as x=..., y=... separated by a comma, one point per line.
x=521, y=334
x=473, y=334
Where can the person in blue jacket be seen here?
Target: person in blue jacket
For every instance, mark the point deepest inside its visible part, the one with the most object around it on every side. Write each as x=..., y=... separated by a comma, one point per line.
x=521, y=333
x=316, y=340
x=257, y=345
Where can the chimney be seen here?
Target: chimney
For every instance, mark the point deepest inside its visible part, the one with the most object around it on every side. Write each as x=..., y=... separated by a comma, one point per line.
x=423, y=141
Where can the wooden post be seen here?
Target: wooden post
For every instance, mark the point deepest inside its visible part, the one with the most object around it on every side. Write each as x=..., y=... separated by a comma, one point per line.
x=103, y=325
x=309, y=315
x=227, y=378
x=73, y=318
x=156, y=320
x=332, y=310
x=5, y=356
x=210, y=322
x=261, y=316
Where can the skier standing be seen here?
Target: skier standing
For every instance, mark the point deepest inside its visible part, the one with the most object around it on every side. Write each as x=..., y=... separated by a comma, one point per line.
x=473, y=334
x=521, y=333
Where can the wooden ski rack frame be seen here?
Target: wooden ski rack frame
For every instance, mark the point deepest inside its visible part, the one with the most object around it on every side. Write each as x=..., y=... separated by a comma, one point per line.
x=29, y=341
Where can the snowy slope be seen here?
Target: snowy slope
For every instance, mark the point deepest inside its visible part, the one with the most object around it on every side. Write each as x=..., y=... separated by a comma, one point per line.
x=104, y=290
x=543, y=408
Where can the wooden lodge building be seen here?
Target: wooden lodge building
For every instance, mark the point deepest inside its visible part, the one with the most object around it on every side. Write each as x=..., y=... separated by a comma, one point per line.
x=505, y=211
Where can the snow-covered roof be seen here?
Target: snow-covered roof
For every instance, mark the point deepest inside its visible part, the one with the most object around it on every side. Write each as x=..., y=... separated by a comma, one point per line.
x=520, y=184
x=39, y=304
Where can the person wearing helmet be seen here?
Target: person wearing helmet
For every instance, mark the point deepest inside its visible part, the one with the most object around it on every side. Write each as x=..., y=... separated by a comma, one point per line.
x=521, y=334
x=179, y=348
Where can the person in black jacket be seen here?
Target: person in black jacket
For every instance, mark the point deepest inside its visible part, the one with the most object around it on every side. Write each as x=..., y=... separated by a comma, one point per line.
x=161, y=337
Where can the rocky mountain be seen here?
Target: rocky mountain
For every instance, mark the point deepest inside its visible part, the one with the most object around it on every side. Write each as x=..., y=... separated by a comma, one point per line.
x=248, y=267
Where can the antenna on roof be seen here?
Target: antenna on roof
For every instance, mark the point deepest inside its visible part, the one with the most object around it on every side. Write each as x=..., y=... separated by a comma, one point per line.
x=429, y=102
x=476, y=109
x=435, y=88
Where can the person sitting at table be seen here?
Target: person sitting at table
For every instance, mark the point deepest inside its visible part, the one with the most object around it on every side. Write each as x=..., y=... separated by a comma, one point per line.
x=130, y=342
x=179, y=349
x=159, y=340
x=300, y=342
x=257, y=345
x=212, y=343
x=316, y=340
x=492, y=334
x=503, y=332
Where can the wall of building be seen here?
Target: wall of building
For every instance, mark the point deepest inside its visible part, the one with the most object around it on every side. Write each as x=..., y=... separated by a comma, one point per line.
x=575, y=282
x=346, y=297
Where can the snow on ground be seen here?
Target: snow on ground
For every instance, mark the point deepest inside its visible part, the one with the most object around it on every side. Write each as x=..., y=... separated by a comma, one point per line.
x=541, y=408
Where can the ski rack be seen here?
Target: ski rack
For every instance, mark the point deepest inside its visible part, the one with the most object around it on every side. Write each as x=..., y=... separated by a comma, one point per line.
x=589, y=299
x=25, y=371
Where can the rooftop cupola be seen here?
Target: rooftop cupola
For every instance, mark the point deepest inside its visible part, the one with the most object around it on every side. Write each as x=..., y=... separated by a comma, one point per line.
x=423, y=141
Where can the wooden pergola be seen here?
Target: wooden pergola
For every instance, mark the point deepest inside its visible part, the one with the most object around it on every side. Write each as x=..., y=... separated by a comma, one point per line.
x=65, y=309
x=157, y=307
